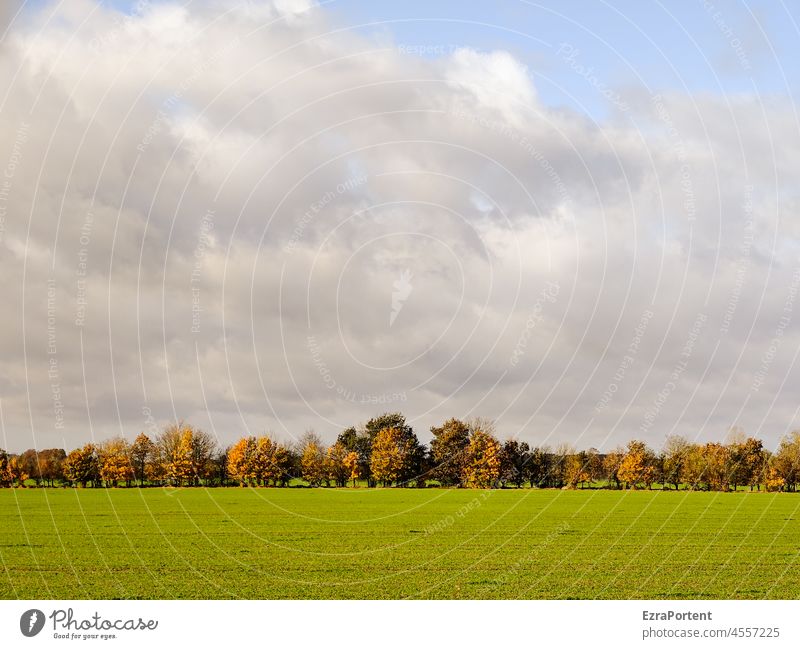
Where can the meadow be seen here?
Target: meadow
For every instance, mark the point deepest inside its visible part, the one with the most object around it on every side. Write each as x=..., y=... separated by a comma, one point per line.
x=397, y=543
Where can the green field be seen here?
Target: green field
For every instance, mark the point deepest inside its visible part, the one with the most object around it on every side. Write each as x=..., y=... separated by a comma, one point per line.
x=397, y=543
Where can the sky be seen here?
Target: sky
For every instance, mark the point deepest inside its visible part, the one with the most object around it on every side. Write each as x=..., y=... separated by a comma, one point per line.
x=577, y=219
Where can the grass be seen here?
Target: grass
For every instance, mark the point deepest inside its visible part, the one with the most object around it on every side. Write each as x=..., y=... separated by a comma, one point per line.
x=397, y=543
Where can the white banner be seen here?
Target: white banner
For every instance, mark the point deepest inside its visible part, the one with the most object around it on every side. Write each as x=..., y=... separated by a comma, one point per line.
x=399, y=624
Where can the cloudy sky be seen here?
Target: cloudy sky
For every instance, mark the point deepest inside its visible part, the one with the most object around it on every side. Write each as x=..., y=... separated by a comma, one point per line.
x=579, y=220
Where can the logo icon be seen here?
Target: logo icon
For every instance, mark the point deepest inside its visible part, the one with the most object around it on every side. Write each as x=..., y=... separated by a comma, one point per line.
x=31, y=622
x=402, y=289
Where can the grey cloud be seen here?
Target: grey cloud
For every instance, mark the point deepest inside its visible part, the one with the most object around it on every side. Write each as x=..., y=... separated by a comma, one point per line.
x=237, y=199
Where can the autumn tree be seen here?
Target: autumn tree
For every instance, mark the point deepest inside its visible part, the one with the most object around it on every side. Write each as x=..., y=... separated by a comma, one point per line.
x=786, y=461
x=175, y=453
x=241, y=461
x=558, y=465
x=391, y=450
x=576, y=470
x=142, y=453
x=745, y=459
x=6, y=469
x=359, y=443
x=538, y=469
x=203, y=446
x=267, y=466
x=717, y=466
x=482, y=462
x=353, y=464
x=753, y=457
x=335, y=465
x=43, y=466
x=82, y=466
x=674, y=455
x=594, y=464
x=611, y=465
x=115, y=462
x=514, y=460
x=312, y=459
x=693, y=467
x=448, y=450
x=185, y=454
x=637, y=466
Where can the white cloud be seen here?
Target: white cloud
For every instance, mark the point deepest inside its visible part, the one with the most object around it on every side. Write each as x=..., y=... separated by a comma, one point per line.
x=242, y=196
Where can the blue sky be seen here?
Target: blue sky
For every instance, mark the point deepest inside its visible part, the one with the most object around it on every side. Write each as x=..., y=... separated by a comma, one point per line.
x=576, y=50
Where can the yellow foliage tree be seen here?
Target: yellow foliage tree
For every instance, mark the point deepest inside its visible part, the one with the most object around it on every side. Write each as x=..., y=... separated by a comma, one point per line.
x=11, y=471
x=637, y=465
x=115, y=462
x=312, y=463
x=267, y=460
x=82, y=465
x=179, y=467
x=351, y=461
x=335, y=465
x=774, y=481
x=576, y=470
x=390, y=454
x=241, y=461
x=482, y=461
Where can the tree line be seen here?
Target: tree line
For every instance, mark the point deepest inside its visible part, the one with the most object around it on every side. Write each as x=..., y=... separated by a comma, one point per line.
x=386, y=452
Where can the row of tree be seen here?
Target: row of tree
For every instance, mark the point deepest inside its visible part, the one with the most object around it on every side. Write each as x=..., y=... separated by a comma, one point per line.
x=387, y=452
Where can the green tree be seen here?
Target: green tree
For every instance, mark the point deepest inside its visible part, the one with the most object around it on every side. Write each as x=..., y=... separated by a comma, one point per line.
x=336, y=464
x=448, y=451
x=673, y=459
x=142, y=453
x=514, y=462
